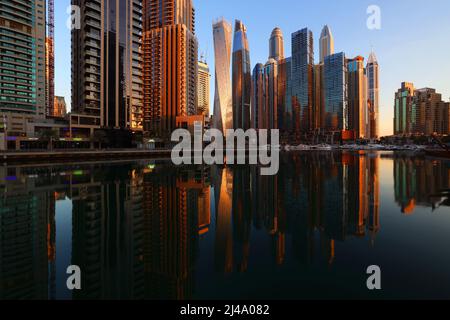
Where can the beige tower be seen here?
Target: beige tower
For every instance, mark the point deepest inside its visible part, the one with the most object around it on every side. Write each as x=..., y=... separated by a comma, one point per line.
x=203, y=88
x=326, y=43
x=276, y=45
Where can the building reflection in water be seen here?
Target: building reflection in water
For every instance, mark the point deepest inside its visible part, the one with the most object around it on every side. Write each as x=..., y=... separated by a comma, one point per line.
x=420, y=182
x=136, y=227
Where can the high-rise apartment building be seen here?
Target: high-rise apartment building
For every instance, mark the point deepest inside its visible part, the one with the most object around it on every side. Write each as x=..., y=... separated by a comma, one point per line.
x=373, y=87
x=223, y=105
x=303, y=78
x=107, y=63
x=60, y=107
x=203, y=88
x=335, y=92
x=357, y=97
x=402, y=109
x=429, y=114
x=170, y=64
x=22, y=57
x=326, y=43
x=271, y=88
x=241, y=78
x=50, y=76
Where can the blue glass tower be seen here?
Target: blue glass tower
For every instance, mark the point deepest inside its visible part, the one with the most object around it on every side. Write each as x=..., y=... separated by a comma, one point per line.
x=302, y=78
x=335, y=88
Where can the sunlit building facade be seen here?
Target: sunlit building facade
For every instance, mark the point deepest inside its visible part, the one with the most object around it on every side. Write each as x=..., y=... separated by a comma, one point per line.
x=429, y=113
x=402, y=109
x=223, y=103
x=60, y=107
x=170, y=64
x=357, y=98
x=241, y=78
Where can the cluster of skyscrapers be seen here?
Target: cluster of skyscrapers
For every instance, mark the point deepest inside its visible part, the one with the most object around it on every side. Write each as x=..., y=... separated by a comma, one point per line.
x=420, y=112
x=293, y=94
x=135, y=67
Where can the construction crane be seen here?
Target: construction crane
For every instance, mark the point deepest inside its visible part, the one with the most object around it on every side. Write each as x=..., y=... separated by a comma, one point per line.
x=50, y=47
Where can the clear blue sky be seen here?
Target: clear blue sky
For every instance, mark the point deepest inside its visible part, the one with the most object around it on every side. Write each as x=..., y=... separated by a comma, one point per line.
x=413, y=43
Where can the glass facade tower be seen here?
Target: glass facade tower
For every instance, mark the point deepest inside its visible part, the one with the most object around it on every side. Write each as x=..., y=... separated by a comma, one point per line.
x=241, y=82
x=302, y=78
x=357, y=97
x=223, y=105
x=335, y=92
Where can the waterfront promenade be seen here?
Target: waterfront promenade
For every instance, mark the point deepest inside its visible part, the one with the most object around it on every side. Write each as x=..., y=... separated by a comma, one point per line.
x=80, y=155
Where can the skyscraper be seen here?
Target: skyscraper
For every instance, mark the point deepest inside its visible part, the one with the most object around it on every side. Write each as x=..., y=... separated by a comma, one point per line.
x=22, y=52
x=242, y=86
x=429, y=114
x=170, y=64
x=373, y=88
x=402, y=109
x=257, y=104
x=223, y=105
x=335, y=92
x=326, y=43
x=284, y=95
x=271, y=87
x=357, y=97
x=107, y=63
x=203, y=88
x=276, y=45
x=50, y=76
x=302, y=78
x=60, y=108
x=319, y=98
x=269, y=116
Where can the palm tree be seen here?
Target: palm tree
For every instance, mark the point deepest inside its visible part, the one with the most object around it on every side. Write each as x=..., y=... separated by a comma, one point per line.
x=48, y=135
x=101, y=137
x=138, y=138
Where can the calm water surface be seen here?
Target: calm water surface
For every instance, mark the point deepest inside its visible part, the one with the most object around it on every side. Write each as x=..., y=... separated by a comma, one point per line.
x=149, y=230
